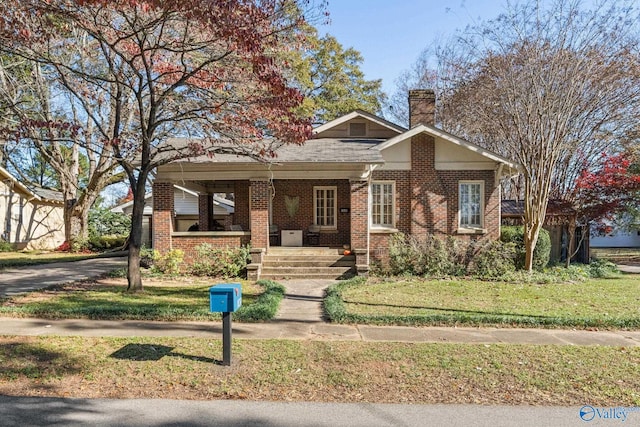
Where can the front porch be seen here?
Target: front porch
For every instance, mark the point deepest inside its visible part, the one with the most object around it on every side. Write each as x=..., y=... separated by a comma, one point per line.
x=277, y=218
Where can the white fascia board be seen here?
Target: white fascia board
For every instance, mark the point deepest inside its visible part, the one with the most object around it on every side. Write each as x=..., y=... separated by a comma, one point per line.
x=430, y=130
x=20, y=186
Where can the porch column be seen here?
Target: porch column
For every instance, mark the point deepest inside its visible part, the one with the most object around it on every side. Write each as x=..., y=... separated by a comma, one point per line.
x=259, y=214
x=162, y=216
x=360, y=224
x=205, y=211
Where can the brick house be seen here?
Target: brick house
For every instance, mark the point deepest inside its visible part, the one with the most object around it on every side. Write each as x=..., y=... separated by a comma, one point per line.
x=359, y=180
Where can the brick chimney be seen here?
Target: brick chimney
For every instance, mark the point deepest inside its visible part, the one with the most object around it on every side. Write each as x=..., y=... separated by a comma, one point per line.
x=422, y=107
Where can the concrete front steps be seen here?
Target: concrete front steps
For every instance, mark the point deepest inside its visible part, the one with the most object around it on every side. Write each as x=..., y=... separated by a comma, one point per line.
x=307, y=263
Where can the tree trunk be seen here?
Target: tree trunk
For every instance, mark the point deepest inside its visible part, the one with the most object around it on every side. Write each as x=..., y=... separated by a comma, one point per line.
x=571, y=232
x=134, y=277
x=76, y=219
x=531, y=234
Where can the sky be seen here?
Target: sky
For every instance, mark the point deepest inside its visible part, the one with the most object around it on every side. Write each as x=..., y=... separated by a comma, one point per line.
x=391, y=34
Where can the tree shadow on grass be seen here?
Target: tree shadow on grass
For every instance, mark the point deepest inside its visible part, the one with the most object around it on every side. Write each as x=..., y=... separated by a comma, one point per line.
x=23, y=359
x=155, y=352
x=454, y=310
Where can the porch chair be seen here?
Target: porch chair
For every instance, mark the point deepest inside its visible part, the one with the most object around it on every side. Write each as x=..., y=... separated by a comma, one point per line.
x=274, y=235
x=313, y=235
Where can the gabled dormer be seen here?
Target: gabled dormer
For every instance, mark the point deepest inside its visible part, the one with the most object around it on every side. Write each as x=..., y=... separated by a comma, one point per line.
x=358, y=124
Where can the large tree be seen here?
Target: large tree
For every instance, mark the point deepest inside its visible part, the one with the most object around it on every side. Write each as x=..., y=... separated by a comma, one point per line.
x=43, y=142
x=331, y=80
x=546, y=86
x=190, y=68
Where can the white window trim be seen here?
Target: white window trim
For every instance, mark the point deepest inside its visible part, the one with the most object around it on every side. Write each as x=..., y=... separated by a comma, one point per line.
x=392, y=226
x=471, y=229
x=335, y=207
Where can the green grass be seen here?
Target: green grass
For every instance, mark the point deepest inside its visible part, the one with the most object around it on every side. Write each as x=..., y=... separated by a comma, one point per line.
x=265, y=305
x=339, y=371
x=608, y=303
x=164, y=303
x=22, y=259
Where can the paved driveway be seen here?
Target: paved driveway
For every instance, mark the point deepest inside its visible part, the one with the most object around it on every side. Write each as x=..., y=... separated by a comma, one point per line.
x=25, y=279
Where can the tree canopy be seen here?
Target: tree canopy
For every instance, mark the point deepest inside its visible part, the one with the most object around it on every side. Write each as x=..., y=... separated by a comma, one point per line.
x=550, y=86
x=152, y=69
x=331, y=80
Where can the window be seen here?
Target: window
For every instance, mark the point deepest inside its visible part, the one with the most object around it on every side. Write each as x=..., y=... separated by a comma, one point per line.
x=357, y=129
x=383, y=204
x=324, y=207
x=471, y=195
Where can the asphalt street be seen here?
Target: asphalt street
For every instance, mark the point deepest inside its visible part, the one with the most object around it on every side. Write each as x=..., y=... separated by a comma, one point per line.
x=30, y=411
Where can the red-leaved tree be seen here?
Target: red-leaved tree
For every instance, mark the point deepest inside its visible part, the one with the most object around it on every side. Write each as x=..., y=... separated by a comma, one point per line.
x=205, y=69
x=602, y=192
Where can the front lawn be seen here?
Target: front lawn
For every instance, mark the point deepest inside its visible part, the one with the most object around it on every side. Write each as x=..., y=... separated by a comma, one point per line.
x=607, y=303
x=175, y=299
x=320, y=371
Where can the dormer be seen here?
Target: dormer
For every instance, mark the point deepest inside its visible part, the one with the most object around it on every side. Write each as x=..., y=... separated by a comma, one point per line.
x=358, y=124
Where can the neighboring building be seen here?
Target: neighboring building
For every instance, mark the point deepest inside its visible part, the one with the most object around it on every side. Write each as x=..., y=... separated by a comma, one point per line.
x=358, y=181
x=185, y=211
x=617, y=238
x=32, y=217
x=559, y=217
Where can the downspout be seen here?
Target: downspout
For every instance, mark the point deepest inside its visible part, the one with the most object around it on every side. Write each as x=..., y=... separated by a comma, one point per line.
x=369, y=179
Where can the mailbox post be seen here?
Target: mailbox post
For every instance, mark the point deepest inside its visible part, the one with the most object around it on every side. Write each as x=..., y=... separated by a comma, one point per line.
x=225, y=298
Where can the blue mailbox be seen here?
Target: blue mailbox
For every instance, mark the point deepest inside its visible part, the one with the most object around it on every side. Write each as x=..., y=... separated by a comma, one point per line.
x=225, y=298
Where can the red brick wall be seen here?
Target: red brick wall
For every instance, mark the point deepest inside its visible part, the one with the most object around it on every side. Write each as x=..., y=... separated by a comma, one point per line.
x=422, y=107
x=259, y=214
x=162, y=215
x=359, y=214
x=429, y=201
x=205, y=211
x=304, y=218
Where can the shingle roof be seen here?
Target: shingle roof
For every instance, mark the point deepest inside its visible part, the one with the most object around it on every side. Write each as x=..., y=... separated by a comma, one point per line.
x=321, y=150
x=513, y=208
x=47, y=193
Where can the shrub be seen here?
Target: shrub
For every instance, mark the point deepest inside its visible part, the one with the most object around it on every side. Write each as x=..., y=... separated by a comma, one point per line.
x=6, y=246
x=334, y=307
x=600, y=268
x=431, y=257
x=79, y=245
x=495, y=260
x=168, y=263
x=146, y=257
x=104, y=222
x=220, y=262
x=108, y=241
x=541, y=253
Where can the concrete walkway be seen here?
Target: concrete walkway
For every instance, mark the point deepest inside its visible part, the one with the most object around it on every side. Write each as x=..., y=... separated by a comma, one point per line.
x=303, y=301
x=318, y=331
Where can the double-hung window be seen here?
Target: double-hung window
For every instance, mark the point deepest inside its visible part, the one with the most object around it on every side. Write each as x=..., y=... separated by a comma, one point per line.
x=325, y=207
x=471, y=198
x=382, y=204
